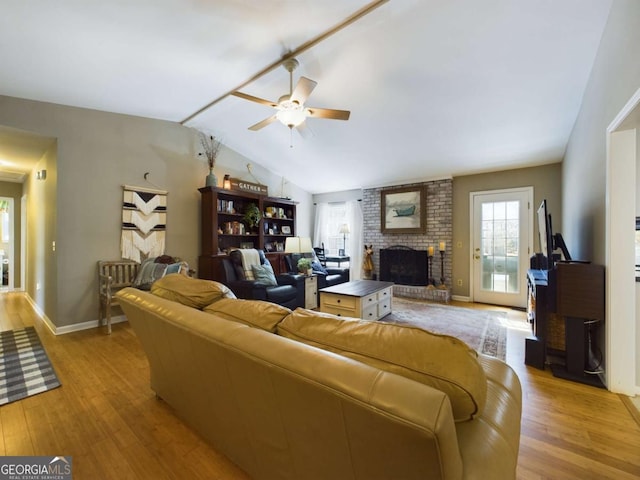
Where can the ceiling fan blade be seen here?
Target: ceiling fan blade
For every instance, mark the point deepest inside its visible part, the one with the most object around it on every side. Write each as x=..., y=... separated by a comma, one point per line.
x=303, y=89
x=304, y=130
x=254, y=99
x=328, y=113
x=263, y=123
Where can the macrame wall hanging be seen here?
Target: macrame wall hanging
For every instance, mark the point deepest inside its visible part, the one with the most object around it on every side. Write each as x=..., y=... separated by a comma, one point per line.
x=144, y=223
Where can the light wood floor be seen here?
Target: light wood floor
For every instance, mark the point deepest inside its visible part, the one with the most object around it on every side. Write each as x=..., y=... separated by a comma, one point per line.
x=108, y=419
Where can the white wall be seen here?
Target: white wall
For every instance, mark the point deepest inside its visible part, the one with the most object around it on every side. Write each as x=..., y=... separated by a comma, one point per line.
x=79, y=204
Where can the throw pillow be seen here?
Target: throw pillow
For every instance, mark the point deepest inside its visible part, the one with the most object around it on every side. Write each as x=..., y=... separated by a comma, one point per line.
x=317, y=267
x=148, y=273
x=264, y=274
x=180, y=267
x=255, y=313
x=192, y=292
x=440, y=361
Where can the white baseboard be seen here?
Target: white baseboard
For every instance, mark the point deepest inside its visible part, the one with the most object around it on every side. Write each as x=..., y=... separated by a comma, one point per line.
x=76, y=327
x=460, y=298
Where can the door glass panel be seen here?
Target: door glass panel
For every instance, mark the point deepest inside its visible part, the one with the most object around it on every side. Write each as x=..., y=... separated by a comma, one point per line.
x=500, y=246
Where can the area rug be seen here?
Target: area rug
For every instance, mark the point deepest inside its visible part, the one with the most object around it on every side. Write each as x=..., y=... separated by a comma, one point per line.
x=482, y=330
x=25, y=368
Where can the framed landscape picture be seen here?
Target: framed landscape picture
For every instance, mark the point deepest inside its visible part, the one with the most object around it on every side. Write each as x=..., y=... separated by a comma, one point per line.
x=403, y=210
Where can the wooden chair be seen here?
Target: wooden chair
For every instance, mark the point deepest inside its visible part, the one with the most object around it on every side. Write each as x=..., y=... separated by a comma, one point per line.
x=113, y=276
x=322, y=256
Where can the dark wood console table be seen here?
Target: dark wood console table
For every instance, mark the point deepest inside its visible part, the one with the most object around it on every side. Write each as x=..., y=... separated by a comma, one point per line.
x=574, y=291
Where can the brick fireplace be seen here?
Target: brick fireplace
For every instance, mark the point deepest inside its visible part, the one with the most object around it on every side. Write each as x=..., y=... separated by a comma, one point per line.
x=439, y=221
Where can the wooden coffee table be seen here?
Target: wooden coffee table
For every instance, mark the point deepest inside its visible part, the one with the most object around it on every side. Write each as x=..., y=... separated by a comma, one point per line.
x=366, y=299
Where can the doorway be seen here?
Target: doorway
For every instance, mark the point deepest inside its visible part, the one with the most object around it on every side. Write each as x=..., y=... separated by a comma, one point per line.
x=622, y=323
x=502, y=236
x=6, y=243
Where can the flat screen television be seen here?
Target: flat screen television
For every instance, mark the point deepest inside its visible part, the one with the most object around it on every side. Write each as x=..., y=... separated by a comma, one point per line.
x=550, y=242
x=544, y=230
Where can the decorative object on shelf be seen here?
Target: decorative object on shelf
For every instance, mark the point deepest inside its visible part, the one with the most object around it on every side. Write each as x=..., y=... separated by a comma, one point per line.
x=344, y=229
x=252, y=215
x=239, y=185
x=367, y=262
x=226, y=182
x=402, y=210
x=211, y=146
x=304, y=266
x=286, y=230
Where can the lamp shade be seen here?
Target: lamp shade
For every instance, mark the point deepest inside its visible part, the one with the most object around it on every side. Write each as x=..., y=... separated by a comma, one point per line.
x=344, y=228
x=298, y=245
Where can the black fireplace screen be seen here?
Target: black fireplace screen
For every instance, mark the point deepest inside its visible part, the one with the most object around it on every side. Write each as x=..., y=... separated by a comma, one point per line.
x=404, y=266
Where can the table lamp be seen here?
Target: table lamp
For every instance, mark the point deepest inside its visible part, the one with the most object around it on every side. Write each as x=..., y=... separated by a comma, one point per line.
x=298, y=245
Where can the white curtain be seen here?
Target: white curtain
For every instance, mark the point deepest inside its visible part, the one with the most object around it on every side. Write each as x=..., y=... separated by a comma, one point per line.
x=321, y=225
x=356, y=238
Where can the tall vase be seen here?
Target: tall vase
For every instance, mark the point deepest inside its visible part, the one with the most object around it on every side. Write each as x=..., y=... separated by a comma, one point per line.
x=211, y=181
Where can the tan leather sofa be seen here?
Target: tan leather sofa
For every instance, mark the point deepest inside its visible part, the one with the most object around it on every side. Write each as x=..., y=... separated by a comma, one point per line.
x=284, y=409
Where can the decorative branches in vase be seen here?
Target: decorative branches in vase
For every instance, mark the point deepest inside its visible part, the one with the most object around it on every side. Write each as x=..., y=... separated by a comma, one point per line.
x=211, y=146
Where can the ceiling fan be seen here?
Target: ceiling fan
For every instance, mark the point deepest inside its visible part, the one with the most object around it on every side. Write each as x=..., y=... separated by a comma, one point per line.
x=290, y=107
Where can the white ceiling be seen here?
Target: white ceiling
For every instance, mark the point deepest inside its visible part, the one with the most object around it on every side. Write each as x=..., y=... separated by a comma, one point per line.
x=435, y=87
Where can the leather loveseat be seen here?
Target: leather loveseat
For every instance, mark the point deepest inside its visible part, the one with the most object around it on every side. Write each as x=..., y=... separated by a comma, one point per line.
x=302, y=394
x=327, y=276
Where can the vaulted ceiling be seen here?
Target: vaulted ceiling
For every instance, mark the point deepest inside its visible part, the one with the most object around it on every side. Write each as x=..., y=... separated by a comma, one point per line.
x=435, y=88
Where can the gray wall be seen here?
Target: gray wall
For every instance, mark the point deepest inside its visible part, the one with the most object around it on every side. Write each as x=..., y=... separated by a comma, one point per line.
x=615, y=77
x=79, y=204
x=546, y=183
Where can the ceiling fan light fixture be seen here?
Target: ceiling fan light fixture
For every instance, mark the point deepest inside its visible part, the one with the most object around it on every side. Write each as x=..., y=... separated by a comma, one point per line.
x=291, y=114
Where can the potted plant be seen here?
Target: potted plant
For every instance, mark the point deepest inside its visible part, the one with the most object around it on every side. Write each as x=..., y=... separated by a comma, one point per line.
x=304, y=266
x=252, y=216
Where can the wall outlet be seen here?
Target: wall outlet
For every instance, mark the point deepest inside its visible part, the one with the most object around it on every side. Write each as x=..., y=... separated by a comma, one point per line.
x=459, y=282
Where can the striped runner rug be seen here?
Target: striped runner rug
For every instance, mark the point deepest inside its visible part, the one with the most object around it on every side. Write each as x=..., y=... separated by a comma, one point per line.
x=25, y=368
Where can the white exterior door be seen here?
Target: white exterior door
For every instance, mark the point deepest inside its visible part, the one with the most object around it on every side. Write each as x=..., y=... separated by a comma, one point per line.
x=502, y=237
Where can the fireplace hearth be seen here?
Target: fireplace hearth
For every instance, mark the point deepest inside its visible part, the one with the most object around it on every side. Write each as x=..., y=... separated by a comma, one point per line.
x=404, y=266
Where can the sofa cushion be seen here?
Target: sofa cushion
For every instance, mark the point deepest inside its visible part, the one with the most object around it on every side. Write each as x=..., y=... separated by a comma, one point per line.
x=192, y=292
x=255, y=313
x=441, y=361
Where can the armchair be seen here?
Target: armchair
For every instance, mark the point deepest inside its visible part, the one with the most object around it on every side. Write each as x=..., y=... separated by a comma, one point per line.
x=327, y=276
x=239, y=269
